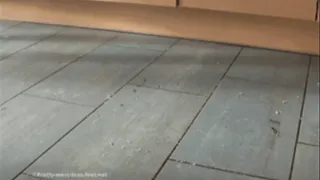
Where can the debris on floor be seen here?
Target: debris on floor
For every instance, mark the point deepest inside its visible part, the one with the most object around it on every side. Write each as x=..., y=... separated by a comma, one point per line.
x=278, y=112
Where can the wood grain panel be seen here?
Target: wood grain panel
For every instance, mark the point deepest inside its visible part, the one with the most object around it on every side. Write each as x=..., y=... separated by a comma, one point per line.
x=169, y=3
x=318, y=13
x=296, y=9
x=267, y=32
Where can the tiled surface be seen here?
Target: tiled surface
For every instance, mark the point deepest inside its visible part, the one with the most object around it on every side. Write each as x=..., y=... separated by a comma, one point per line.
x=89, y=101
x=96, y=77
x=191, y=67
x=29, y=126
x=309, y=132
x=129, y=137
x=306, y=164
x=22, y=70
x=180, y=171
x=74, y=41
x=143, y=42
x=250, y=123
x=26, y=177
x=271, y=67
x=242, y=133
x=24, y=35
x=4, y=25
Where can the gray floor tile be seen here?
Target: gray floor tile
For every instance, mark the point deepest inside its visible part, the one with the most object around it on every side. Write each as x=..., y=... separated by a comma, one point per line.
x=143, y=41
x=74, y=41
x=189, y=66
x=269, y=66
x=26, y=177
x=4, y=25
x=94, y=78
x=28, y=126
x=245, y=127
x=24, y=35
x=306, y=165
x=178, y=171
x=129, y=137
x=309, y=132
x=22, y=70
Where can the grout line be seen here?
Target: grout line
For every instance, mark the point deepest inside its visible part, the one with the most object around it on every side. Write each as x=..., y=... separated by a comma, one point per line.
x=308, y=144
x=57, y=100
x=299, y=123
x=220, y=169
x=56, y=71
x=89, y=114
x=57, y=141
x=195, y=117
x=32, y=44
x=264, y=82
x=167, y=90
x=10, y=27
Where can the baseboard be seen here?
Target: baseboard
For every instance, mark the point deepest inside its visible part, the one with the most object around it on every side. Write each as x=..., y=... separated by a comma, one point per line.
x=257, y=31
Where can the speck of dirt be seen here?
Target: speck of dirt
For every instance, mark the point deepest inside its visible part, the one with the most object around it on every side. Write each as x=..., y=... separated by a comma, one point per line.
x=278, y=112
x=111, y=143
x=274, y=121
x=144, y=80
x=134, y=90
x=3, y=109
x=241, y=93
x=158, y=86
x=284, y=102
x=275, y=131
x=121, y=105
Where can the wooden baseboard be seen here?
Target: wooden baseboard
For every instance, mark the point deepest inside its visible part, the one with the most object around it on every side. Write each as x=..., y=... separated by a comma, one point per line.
x=266, y=32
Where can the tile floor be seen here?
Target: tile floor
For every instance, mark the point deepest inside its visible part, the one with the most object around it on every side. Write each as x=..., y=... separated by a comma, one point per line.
x=108, y=105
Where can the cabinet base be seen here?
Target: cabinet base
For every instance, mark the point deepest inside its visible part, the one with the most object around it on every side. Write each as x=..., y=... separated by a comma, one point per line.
x=258, y=31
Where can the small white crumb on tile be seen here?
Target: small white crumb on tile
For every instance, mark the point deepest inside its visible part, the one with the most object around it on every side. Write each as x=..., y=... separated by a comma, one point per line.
x=278, y=112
